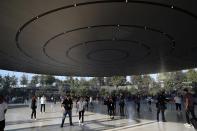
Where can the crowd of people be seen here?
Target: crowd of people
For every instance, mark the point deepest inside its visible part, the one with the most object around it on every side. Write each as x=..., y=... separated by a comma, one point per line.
x=161, y=101
x=84, y=103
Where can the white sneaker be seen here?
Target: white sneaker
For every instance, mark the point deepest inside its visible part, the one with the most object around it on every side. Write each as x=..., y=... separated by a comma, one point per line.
x=35, y=119
x=82, y=124
x=187, y=125
x=79, y=122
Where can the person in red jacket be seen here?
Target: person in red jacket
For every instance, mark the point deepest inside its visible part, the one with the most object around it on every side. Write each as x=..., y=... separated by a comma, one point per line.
x=189, y=107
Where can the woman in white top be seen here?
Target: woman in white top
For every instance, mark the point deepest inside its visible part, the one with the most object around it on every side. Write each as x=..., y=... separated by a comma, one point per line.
x=177, y=100
x=81, y=104
x=42, y=102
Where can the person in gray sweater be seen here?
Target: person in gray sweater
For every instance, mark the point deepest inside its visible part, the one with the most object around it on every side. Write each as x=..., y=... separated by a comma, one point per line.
x=81, y=104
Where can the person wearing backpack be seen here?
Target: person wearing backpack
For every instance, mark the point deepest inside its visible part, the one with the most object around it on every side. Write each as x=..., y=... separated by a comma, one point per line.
x=81, y=104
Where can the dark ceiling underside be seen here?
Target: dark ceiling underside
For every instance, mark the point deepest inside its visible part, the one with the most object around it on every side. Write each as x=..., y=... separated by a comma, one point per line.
x=98, y=37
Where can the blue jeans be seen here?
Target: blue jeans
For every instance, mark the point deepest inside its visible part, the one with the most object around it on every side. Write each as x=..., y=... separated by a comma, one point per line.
x=69, y=112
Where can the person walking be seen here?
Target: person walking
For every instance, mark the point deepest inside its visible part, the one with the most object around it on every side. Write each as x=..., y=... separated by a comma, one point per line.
x=189, y=107
x=42, y=102
x=33, y=107
x=106, y=102
x=81, y=104
x=161, y=105
x=3, y=109
x=68, y=105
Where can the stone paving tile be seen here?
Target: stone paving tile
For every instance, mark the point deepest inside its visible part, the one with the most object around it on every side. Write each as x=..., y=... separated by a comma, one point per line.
x=18, y=119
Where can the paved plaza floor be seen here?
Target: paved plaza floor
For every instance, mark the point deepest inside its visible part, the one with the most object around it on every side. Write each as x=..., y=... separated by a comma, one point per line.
x=18, y=119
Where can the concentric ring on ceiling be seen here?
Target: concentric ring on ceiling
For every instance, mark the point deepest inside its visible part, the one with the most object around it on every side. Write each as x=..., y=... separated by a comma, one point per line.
x=89, y=3
x=168, y=36
x=120, y=55
x=116, y=60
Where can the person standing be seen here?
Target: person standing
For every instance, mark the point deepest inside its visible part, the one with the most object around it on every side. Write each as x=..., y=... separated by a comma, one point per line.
x=111, y=108
x=149, y=100
x=54, y=100
x=87, y=101
x=177, y=100
x=33, y=107
x=68, y=105
x=42, y=102
x=81, y=109
x=3, y=109
x=189, y=107
x=161, y=105
x=122, y=105
x=114, y=101
x=91, y=100
x=91, y=103
x=137, y=102
x=106, y=102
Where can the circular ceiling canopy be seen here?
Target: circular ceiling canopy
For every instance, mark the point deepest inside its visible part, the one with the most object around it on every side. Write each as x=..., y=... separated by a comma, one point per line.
x=98, y=37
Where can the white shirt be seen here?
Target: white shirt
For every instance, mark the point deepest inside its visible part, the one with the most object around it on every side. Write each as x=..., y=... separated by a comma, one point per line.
x=177, y=99
x=81, y=105
x=90, y=99
x=42, y=100
x=3, y=107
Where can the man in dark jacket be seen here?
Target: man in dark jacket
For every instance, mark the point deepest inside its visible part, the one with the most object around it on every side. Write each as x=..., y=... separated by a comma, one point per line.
x=137, y=102
x=68, y=105
x=161, y=105
x=111, y=108
x=122, y=104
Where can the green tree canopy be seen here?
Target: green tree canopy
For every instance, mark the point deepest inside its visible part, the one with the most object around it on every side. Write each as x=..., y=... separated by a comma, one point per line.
x=191, y=75
x=6, y=82
x=118, y=80
x=34, y=80
x=42, y=80
x=172, y=80
x=93, y=82
x=143, y=82
x=137, y=80
x=108, y=81
x=14, y=81
x=49, y=79
x=84, y=82
x=24, y=80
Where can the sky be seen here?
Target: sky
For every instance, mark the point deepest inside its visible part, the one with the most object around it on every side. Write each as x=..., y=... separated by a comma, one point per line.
x=19, y=74
x=29, y=75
